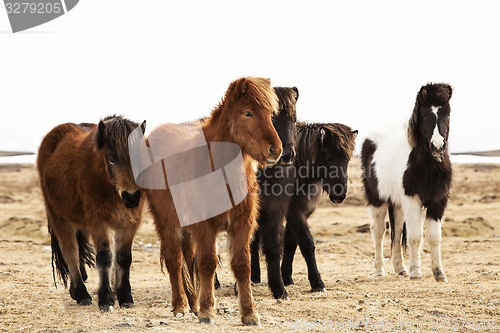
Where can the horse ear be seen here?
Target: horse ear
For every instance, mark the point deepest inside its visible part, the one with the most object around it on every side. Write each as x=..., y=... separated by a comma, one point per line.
x=143, y=127
x=296, y=93
x=354, y=134
x=241, y=86
x=100, y=138
x=423, y=94
x=450, y=90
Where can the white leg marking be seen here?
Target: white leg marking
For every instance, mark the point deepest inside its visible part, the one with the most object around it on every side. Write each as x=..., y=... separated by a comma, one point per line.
x=412, y=209
x=433, y=234
x=378, y=231
x=397, y=256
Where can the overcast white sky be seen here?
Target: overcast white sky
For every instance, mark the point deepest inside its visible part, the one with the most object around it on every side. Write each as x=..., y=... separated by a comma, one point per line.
x=356, y=62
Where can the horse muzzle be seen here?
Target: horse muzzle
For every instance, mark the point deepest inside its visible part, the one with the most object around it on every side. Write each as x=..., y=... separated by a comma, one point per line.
x=337, y=198
x=287, y=159
x=131, y=200
x=438, y=153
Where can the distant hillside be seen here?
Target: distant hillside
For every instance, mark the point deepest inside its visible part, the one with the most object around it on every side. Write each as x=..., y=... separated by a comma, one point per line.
x=481, y=153
x=14, y=153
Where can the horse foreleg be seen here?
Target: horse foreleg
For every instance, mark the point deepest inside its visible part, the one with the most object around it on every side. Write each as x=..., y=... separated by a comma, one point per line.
x=413, y=215
x=271, y=245
x=397, y=256
x=206, y=254
x=239, y=233
x=104, y=260
x=298, y=225
x=289, y=248
x=433, y=228
x=65, y=239
x=123, y=242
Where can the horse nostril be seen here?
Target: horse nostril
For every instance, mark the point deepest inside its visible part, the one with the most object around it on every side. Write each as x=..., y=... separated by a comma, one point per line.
x=292, y=155
x=272, y=151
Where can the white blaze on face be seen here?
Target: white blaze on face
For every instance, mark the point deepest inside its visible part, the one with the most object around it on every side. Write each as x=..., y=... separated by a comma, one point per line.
x=437, y=139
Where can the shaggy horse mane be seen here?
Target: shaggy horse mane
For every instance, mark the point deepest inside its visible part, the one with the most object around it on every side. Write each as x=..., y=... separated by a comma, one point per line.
x=116, y=132
x=310, y=139
x=287, y=98
x=256, y=90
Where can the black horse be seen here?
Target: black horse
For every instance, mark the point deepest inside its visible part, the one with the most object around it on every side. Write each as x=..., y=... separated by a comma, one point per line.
x=293, y=192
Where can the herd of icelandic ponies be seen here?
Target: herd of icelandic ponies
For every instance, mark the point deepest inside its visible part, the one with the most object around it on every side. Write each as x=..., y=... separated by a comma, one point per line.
x=90, y=193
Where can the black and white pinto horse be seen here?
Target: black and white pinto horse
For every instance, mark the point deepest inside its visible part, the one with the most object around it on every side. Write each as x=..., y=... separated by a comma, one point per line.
x=407, y=169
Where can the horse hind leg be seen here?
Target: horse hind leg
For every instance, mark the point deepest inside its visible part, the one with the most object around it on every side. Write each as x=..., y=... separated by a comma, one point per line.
x=204, y=238
x=378, y=230
x=171, y=257
x=413, y=214
x=65, y=255
x=190, y=272
x=396, y=248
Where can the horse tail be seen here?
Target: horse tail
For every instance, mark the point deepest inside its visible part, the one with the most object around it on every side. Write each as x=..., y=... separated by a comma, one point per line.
x=58, y=262
x=85, y=249
x=392, y=222
x=403, y=239
x=190, y=275
x=191, y=283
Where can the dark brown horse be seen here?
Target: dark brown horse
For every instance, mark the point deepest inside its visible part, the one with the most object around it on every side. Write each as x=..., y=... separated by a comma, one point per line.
x=243, y=118
x=89, y=189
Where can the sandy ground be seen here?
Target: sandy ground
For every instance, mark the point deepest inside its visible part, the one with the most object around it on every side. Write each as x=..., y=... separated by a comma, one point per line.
x=29, y=301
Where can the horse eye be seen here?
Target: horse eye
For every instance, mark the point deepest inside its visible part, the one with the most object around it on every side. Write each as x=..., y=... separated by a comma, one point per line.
x=111, y=161
x=248, y=114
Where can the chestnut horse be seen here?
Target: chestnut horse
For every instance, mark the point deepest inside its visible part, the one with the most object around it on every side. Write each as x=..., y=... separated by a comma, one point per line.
x=243, y=118
x=89, y=189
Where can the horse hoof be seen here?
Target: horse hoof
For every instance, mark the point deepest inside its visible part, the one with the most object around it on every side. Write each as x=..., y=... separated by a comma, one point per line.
x=281, y=295
x=416, y=275
x=253, y=323
x=379, y=273
x=318, y=290
x=403, y=273
x=179, y=315
x=206, y=320
x=440, y=277
x=251, y=320
x=127, y=305
x=85, y=302
x=106, y=308
x=288, y=282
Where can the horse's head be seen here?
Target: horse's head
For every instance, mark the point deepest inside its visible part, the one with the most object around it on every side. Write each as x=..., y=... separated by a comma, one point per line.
x=285, y=122
x=429, y=125
x=111, y=140
x=250, y=104
x=334, y=147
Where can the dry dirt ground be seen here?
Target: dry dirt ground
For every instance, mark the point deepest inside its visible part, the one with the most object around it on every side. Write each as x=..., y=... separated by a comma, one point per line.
x=29, y=301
